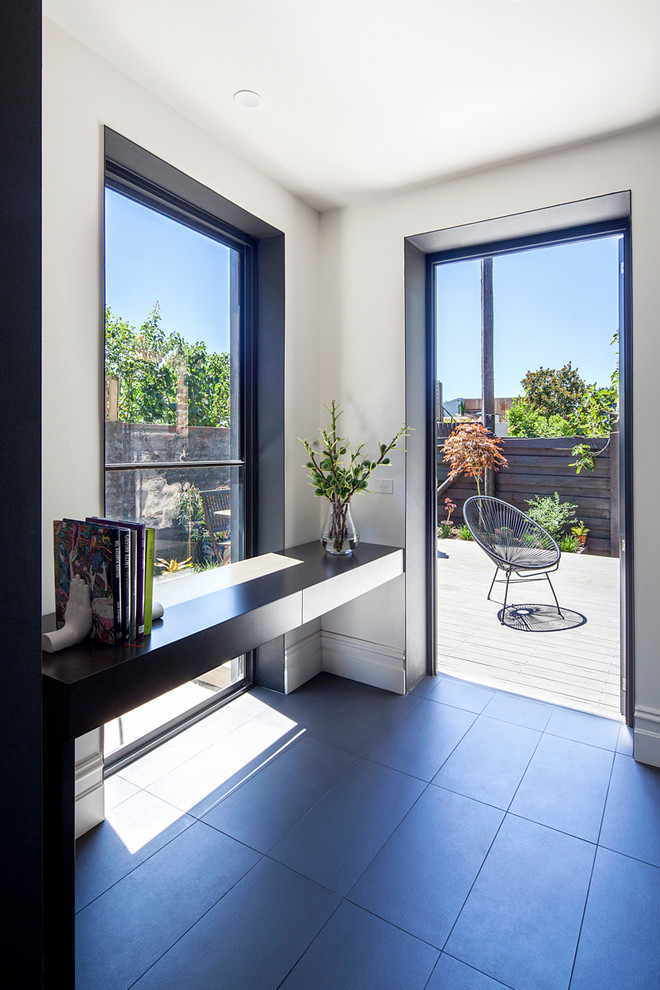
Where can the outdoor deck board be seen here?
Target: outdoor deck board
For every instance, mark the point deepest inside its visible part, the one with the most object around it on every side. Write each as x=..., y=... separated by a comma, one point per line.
x=577, y=667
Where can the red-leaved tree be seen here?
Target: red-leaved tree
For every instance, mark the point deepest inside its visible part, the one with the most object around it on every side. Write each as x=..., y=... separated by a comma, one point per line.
x=471, y=449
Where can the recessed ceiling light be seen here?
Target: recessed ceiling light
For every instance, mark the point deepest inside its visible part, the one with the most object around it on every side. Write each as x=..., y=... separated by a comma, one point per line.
x=247, y=98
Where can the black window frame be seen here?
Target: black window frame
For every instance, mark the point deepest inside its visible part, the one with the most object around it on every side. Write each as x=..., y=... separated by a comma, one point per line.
x=133, y=171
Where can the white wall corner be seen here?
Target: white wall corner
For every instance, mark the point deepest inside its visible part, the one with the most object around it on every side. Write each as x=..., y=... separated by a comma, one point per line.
x=90, y=802
x=359, y=660
x=302, y=661
x=646, y=736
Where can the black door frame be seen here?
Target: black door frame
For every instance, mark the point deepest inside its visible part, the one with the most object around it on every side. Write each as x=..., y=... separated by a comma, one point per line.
x=566, y=222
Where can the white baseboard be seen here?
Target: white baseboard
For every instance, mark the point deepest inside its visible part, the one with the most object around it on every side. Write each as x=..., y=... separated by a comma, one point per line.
x=302, y=661
x=359, y=660
x=646, y=736
x=90, y=803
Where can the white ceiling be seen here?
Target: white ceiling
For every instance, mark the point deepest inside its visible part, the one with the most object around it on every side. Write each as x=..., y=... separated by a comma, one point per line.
x=361, y=97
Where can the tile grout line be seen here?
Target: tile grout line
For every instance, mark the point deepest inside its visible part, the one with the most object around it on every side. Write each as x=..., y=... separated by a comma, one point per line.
x=196, y=922
x=593, y=867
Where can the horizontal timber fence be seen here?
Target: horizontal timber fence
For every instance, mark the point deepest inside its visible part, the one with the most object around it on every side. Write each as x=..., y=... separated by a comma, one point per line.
x=540, y=466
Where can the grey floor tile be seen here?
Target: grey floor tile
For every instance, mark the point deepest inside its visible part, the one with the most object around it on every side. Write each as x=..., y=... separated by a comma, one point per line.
x=581, y=727
x=620, y=939
x=364, y=721
x=317, y=699
x=521, y=922
x=126, y=929
x=565, y=787
x=450, y=974
x=631, y=823
x=271, y=802
x=425, y=687
x=521, y=711
x=625, y=741
x=422, y=875
x=132, y=832
x=460, y=694
x=489, y=761
x=337, y=840
x=421, y=742
x=357, y=950
x=251, y=938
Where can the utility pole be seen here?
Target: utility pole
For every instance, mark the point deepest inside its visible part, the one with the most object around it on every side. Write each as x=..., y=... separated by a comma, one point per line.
x=487, y=363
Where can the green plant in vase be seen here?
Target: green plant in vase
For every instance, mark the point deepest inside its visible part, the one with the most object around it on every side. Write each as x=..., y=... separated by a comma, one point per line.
x=338, y=472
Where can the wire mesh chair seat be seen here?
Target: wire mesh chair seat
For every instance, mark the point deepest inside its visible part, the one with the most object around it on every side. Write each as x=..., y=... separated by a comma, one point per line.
x=515, y=543
x=217, y=513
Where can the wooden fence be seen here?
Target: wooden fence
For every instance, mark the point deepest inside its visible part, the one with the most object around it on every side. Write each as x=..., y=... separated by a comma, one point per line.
x=541, y=467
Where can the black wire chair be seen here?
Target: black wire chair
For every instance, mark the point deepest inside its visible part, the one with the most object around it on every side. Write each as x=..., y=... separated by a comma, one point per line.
x=217, y=513
x=514, y=542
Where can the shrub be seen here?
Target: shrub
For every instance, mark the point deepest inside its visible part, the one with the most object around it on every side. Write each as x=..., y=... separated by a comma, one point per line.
x=445, y=530
x=569, y=544
x=553, y=515
x=524, y=420
x=463, y=532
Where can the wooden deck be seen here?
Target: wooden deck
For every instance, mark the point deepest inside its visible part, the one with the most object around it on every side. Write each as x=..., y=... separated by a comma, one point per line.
x=572, y=662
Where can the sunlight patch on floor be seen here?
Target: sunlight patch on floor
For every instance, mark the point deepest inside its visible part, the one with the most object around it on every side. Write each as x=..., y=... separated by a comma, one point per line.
x=220, y=767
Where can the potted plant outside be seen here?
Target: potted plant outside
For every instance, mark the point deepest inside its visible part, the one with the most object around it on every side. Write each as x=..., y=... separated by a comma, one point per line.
x=580, y=532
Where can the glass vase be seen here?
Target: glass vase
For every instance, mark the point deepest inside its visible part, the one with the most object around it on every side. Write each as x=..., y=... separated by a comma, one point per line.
x=339, y=534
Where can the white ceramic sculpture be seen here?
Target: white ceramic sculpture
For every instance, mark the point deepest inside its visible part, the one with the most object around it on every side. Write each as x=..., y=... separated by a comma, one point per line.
x=77, y=619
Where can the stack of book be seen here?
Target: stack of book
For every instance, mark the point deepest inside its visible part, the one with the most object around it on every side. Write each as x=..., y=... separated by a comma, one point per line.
x=116, y=560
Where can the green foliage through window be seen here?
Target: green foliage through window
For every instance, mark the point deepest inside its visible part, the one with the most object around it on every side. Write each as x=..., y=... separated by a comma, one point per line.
x=153, y=367
x=555, y=392
x=558, y=403
x=524, y=420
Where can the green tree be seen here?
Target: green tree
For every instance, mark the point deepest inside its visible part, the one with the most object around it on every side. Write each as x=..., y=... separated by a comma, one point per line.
x=208, y=380
x=555, y=392
x=524, y=420
x=149, y=364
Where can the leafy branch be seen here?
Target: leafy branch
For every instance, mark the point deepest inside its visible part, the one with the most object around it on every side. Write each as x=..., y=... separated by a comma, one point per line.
x=332, y=476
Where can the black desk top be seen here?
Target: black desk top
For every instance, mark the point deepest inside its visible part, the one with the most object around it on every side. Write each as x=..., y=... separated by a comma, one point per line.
x=90, y=683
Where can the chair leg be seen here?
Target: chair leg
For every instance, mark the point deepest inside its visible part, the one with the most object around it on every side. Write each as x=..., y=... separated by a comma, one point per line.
x=554, y=595
x=491, y=584
x=506, y=593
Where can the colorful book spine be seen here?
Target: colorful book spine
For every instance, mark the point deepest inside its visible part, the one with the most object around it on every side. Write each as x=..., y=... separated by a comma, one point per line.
x=149, y=552
x=92, y=551
x=135, y=591
x=137, y=554
x=125, y=536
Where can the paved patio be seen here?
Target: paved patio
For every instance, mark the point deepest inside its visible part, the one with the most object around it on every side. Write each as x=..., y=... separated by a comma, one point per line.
x=572, y=662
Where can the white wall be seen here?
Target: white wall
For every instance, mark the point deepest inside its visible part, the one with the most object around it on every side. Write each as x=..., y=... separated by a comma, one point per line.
x=362, y=338
x=81, y=94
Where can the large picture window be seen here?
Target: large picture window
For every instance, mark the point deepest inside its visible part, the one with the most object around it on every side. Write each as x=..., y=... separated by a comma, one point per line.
x=192, y=437
x=174, y=339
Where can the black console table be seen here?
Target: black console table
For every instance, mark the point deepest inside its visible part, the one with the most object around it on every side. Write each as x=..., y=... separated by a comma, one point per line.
x=90, y=684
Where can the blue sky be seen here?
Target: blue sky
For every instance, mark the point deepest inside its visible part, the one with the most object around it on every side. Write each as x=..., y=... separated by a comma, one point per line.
x=552, y=305
x=149, y=257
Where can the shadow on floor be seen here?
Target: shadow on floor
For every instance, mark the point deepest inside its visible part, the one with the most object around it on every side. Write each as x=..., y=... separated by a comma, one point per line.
x=540, y=618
